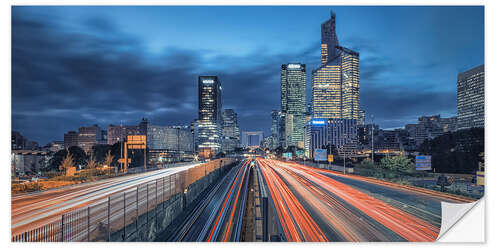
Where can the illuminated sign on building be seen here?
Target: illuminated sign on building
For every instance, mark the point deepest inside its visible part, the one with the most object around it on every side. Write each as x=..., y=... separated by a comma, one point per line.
x=208, y=81
x=293, y=66
x=318, y=122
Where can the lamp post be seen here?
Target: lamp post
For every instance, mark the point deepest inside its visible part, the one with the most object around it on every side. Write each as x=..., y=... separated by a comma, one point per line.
x=372, y=137
x=304, y=146
x=343, y=149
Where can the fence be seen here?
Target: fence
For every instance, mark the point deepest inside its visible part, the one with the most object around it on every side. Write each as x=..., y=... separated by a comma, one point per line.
x=136, y=214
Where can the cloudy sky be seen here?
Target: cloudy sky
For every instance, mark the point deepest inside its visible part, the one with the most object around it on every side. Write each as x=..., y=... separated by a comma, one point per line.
x=76, y=66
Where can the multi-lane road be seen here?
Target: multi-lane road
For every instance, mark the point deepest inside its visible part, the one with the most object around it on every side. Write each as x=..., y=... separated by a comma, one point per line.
x=321, y=205
x=305, y=204
x=219, y=216
x=33, y=210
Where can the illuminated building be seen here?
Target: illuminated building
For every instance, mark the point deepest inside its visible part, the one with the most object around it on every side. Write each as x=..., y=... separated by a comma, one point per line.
x=88, y=137
x=209, y=113
x=293, y=102
x=119, y=133
x=336, y=132
x=276, y=129
x=169, y=143
x=230, y=131
x=335, y=88
x=470, y=98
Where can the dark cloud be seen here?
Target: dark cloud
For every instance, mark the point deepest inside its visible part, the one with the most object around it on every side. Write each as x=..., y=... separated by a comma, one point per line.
x=63, y=79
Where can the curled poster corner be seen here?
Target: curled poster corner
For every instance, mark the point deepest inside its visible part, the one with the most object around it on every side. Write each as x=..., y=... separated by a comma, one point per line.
x=453, y=213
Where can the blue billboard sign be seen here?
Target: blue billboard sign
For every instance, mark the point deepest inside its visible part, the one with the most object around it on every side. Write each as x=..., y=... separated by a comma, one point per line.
x=423, y=162
x=319, y=154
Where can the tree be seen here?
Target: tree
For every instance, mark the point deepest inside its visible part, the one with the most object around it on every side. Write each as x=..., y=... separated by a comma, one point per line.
x=91, y=164
x=455, y=152
x=367, y=163
x=67, y=162
x=79, y=155
x=108, y=160
x=100, y=150
x=397, y=163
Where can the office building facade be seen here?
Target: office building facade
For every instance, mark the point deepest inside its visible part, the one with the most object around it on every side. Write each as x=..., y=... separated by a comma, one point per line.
x=70, y=139
x=119, y=133
x=293, y=102
x=470, y=98
x=339, y=133
x=88, y=137
x=230, y=131
x=209, y=113
x=335, y=88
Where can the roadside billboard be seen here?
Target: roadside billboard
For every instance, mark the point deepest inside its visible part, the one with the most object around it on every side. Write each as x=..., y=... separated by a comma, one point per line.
x=287, y=156
x=423, y=162
x=319, y=154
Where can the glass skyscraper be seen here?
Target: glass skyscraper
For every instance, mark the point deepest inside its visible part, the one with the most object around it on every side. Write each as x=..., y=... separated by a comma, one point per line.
x=335, y=88
x=470, y=98
x=209, y=113
x=230, y=131
x=293, y=102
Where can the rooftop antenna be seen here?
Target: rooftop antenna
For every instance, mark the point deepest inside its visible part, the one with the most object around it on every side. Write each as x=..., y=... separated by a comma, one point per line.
x=332, y=14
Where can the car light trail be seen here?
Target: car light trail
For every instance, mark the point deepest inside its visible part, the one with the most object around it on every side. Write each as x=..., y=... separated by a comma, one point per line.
x=341, y=210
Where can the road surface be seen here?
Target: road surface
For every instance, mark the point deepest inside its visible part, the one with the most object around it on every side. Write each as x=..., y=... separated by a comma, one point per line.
x=321, y=205
x=219, y=216
x=33, y=210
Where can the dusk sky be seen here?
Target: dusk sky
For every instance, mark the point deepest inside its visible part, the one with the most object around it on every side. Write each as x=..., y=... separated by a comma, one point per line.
x=78, y=66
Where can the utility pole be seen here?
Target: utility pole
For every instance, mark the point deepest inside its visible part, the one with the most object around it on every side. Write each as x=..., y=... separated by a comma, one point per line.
x=121, y=146
x=304, y=145
x=343, y=149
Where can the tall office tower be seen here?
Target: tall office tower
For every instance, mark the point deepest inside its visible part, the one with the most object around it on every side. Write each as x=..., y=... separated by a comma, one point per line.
x=335, y=88
x=209, y=113
x=230, y=131
x=293, y=102
x=329, y=40
x=470, y=98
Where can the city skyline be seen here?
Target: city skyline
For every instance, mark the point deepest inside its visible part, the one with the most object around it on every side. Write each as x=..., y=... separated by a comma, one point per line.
x=151, y=82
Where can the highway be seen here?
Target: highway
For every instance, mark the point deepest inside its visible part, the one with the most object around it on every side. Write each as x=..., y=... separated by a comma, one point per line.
x=219, y=216
x=33, y=210
x=320, y=205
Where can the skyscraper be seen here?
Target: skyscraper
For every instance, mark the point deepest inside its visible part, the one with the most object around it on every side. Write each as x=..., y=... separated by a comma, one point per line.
x=230, y=131
x=335, y=88
x=470, y=98
x=276, y=129
x=293, y=101
x=329, y=40
x=209, y=113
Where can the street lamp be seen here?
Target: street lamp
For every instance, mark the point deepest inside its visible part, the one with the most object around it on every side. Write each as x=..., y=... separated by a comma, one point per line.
x=304, y=146
x=372, y=136
x=343, y=149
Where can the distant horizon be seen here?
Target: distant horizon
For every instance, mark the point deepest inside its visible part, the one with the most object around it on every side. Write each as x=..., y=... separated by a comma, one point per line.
x=84, y=65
